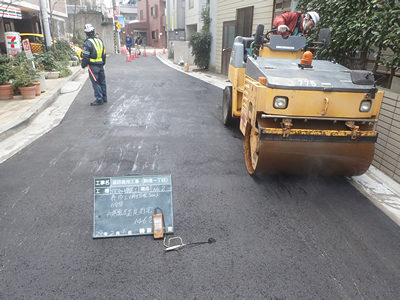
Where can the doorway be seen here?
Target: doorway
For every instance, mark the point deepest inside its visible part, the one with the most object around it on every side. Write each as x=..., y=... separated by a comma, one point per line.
x=228, y=36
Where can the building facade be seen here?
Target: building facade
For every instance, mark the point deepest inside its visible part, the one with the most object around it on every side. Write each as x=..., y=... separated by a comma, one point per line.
x=129, y=11
x=229, y=18
x=152, y=23
x=24, y=17
x=238, y=18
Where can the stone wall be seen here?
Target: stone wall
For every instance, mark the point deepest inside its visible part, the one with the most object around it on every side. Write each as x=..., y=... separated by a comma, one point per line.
x=181, y=49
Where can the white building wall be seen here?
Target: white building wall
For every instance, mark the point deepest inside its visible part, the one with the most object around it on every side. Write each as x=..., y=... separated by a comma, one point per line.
x=176, y=11
x=192, y=15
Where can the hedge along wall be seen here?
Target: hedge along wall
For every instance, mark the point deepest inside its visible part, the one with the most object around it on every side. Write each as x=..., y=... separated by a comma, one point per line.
x=387, y=150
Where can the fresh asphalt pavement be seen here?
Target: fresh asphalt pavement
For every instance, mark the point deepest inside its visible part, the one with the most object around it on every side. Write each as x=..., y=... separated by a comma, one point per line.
x=277, y=237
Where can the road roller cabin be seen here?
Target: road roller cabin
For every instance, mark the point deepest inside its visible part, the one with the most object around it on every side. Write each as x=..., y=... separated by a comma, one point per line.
x=299, y=115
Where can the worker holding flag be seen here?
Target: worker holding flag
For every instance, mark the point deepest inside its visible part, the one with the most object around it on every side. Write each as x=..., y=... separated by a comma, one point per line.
x=94, y=57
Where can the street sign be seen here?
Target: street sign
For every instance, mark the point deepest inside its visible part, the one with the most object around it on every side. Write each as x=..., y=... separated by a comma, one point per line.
x=27, y=48
x=116, y=18
x=121, y=20
x=26, y=44
x=118, y=25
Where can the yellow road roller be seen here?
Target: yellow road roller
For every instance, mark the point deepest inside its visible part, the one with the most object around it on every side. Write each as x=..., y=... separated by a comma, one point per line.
x=299, y=115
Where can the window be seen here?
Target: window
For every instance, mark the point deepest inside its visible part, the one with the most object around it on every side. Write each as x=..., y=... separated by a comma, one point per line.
x=191, y=4
x=244, y=21
x=141, y=14
x=281, y=6
x=153, y=11
x=154, y=35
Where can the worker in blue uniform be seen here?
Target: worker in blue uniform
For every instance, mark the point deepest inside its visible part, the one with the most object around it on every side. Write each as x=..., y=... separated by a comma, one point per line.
x=94, y=57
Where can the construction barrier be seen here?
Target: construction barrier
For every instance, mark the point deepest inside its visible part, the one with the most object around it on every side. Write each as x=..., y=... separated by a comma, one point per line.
x=123, y=50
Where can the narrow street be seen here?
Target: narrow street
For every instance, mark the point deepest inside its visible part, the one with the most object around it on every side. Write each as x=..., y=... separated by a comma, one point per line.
x=277, y=237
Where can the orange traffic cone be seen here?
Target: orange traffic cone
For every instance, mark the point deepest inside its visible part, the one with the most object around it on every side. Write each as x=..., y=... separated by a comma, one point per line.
x=132, y=56
x=163, y=51
x=154, y=52
x=136, y=54
x=128, y=57
x=144, y=51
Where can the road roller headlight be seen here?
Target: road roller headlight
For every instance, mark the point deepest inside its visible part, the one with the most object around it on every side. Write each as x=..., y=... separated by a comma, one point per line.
x=280, y=102
x=365, y=106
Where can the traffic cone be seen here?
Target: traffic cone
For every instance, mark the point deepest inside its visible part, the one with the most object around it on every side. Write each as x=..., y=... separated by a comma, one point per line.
x=154, y=52
x=163, y=51
x=132, y=56
x=137, y=54
x=128, y=57
x=144, y=51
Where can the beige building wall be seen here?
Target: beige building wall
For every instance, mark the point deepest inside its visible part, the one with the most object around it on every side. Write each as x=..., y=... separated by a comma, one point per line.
x=226, y=11
x=387, y=150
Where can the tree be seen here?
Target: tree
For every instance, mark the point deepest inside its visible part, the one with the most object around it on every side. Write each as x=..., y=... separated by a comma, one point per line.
x=386, y=35
x=201, y=40
x=357, y=26
x=52, y=22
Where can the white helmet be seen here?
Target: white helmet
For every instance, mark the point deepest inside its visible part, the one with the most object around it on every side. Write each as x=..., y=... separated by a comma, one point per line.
x=89, y=28
x=314, y=16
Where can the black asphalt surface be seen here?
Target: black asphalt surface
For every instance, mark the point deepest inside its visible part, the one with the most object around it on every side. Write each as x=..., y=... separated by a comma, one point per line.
x=277, y=237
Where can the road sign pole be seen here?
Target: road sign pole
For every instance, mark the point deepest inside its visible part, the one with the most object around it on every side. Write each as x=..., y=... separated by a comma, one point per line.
x=118, y=39
x=116, y=31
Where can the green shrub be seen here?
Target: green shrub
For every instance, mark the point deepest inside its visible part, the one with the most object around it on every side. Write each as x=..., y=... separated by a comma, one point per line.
x=64, y=71
x=201, y=40
x=47, y=61
x=5, y=69
x=23, y=74
x=19, y=58
x=64, y=50
x=78, y=40
x=201, y=47
x=53, y=62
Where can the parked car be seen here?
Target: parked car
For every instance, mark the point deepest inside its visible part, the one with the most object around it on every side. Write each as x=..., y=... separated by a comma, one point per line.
x=37, y=40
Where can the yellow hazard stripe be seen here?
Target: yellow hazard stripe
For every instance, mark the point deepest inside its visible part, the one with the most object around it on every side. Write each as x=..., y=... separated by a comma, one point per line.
x=318, y=132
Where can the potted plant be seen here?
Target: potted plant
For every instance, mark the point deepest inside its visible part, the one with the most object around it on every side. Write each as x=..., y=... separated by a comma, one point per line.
x=49, y=63
x=54, y=63
x=24, y=78
x=6, y=91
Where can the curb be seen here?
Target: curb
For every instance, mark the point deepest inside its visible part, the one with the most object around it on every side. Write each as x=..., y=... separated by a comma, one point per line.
x=209, y=77
x=22, y=122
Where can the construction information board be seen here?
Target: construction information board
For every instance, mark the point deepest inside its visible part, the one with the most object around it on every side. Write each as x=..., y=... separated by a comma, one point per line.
x=124, y=206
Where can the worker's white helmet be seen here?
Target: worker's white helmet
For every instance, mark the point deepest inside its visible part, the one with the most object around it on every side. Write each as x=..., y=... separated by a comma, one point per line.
x=89, y=28
x=314, y=16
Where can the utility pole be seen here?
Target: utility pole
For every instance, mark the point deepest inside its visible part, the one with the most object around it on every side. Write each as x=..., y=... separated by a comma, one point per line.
x=168, y=29
x=116, y=30
x=45, y=23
